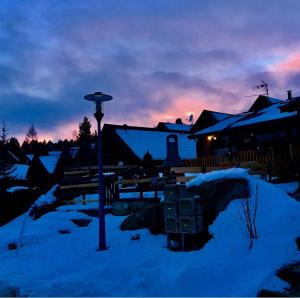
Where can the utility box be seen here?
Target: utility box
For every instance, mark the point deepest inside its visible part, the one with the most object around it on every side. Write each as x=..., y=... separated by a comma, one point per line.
x=183, y=214
x=190, y=225
x=171, y=225
x=190, y=207
x=173, y=192
x=171, y=209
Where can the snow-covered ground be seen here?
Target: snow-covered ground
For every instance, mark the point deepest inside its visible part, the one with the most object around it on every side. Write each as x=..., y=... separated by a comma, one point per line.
x=54, y=264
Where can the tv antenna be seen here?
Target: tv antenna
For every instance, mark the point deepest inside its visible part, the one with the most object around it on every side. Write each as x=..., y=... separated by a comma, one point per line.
x=263, y=86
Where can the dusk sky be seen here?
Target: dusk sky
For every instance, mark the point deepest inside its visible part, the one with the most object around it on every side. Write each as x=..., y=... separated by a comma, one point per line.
x=160, y=60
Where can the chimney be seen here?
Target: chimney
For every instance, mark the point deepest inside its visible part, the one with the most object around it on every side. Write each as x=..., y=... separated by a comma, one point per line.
x=289, y=92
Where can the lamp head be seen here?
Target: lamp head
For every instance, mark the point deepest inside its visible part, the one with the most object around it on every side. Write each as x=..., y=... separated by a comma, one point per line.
x=98, y=98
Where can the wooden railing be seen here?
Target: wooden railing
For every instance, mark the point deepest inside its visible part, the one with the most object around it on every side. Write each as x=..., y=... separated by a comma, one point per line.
x=225, y=161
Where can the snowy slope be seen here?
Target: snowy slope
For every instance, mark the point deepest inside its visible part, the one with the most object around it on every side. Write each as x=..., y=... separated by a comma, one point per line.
x=52, y=264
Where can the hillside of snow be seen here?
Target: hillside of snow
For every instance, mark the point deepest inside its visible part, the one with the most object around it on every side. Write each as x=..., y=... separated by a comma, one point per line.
x=54, y=264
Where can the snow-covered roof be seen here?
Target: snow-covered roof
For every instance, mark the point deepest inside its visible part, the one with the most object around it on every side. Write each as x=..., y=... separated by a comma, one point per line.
x=141, y=141
x=220, y=116
x=13, y=156
x=220, y=125
x=274, y=100
x=269, y=113
x=55, y=153
x=179, y=127
x=73, y=151
x=19, y=172
x=50, y=162
x=30, y=156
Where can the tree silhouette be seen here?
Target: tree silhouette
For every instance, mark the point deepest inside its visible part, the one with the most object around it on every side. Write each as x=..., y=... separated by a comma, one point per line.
x=84, y=130
x=4, y=133
x=31, y=135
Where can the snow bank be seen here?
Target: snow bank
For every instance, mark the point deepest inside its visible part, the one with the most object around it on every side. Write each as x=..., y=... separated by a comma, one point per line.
x=52, y=264
x=222, y=174
x=16, y=188
x=46, y=199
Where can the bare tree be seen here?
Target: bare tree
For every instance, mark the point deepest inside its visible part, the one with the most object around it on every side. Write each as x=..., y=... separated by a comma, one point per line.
x=248, y=215
x=31, y=135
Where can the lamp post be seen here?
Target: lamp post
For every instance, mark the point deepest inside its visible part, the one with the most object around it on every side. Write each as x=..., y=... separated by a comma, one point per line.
x=99, y=98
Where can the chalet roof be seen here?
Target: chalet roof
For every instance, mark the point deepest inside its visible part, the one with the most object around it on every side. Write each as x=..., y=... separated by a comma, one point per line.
x=178, y=127
x=163, y=126
x=221, y=125
x=50, y=162
x=30, y=156
x=208, y=118
x=19, y=171
x=263, y=102
x=55, y=153
x=220, y=116
x=271, y=113
x=142, y=140
x=73, y=151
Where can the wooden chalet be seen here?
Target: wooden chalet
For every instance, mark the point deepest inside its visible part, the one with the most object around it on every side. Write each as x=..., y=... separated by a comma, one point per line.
x=46, y=169
x=129, y=144
x=268, y=131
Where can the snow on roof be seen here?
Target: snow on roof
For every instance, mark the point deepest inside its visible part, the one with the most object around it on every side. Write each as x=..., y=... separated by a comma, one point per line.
x=73, y=151
x=30, y=156
x=141, y=141
x=50, y=162
x=19, y=172
x=182, y=127
x=220, y=125
x=220, y=116
x=269, y=113
x=55, y=153
x=274, y=100
x=13, y=156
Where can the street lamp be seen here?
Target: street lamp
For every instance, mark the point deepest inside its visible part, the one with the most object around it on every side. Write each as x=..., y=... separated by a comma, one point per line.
x=99, y=98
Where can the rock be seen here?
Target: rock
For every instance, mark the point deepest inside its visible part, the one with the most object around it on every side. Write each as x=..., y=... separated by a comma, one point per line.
x=81, y=222
x=151, y=217
x=269, y=293
x=64, y=231
x=130, y=206
x=12, y=246
x=6, y=291
x=217, y=194
x=290, y=273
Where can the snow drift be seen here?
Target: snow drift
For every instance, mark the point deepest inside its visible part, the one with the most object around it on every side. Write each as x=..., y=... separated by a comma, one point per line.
x=52, y=264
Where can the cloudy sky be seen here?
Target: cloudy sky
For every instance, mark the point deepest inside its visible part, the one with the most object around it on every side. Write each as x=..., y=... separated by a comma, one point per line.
x=160, y=60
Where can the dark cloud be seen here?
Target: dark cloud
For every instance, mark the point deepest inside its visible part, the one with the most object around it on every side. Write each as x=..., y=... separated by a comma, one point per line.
x=144, y=53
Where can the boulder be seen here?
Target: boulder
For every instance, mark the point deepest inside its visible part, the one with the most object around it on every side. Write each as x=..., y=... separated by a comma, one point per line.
x=151, y=217
x=7, y=291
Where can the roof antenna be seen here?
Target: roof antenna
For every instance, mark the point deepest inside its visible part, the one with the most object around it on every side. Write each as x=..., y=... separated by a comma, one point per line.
x=264, y=86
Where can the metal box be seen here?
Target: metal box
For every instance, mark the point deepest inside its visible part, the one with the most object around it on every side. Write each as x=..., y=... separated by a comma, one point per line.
x=171, y=209
x=190, y=207
x=174, y=192
x=171, y=225
x=190, y=225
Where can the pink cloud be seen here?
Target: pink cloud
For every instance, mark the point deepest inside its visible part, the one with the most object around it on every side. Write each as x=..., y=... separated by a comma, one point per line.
x=288, y=65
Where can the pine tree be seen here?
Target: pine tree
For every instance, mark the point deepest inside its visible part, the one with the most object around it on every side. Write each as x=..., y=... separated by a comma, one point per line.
x=84, y=130
x=31, y=135
x=4, y=133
